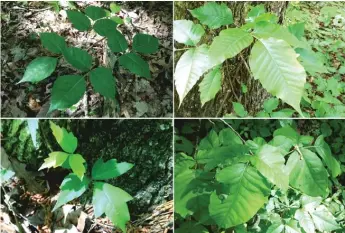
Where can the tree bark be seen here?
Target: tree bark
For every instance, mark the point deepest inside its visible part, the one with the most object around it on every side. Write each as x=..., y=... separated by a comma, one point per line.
x=234, y=71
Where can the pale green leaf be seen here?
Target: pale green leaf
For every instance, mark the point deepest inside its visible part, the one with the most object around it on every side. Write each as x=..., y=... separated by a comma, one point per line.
x=274, y=63
x=275, y=228
x=144, y=43
x=53, y=42
x=79, y=20
x=324, y=220
x=104, y=27
x=188, y=33
x=103, y=81
x=255, y=12
x=271, y=104
x=115, y=8
x=323, y=149
x=297, y=30
x=66, y=140
x=55, y=159
x=76, y=161
x=135, y=64
x=39, y=69
x=210, y=85
x=239, y=109
x=78, y=58
x=95, y=12
x=116, y=41
x=311, y=61
x=110, y=169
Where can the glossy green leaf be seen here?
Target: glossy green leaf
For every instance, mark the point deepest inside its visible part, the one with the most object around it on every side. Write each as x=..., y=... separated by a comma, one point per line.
x=309, y=175
x=144, y=43
x=111, y=200
x=210, y=85
x=188, y=33
x=67, y=90
x=213, y=14
x=271, y=164
x=103, y=81
x=105, y=27
x=110, y=169
x=249, y=192
x=76, y=161
x=66, y=140
x=72, y=187
x=135, y=64
x=228, y=44
x=53, y=42
x=95, y=12
x=79, y=20
x=115, y=8
x=189, y=68
x=55, y=159
x=39, y=69
x=117, y=42
x=78, y=58
x=274, y=63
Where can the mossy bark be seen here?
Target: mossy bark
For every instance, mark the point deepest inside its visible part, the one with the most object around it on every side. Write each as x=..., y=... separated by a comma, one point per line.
x=234, y=71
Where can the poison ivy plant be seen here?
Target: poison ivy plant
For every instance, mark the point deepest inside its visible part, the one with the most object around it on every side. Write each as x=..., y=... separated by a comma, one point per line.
x=106, y=198
x=279, y=57
x=281, y=181
x=69, y=89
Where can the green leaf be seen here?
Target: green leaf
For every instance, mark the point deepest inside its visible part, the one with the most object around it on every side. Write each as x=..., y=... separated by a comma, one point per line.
x=210, y=85
x=228, y=44
x=53, y=42
x=227, y=137
x=210, y=141
x=95, y=12
x=239, y=109
x=110, y=169
x=111, y=200
x=183, y=144
x=76, y=161
x=213, y=15
x=323, y=149
x=310, y=61
x=324, y=220
x=105, y=27
x=188, y=33
x=309, y=175
x=117, y=19
x=274, y=63
x=255, y=12
x=79, y=20
x=66, y=140
x=55, y=159
x=67, y=90
x=289, y=132
x=78, y=58
x=115, y=8
x=271, y=164
x=103, y=81
x=248, y=193
x=191, y=226
x=191, y=66
x=71, y=188
x=271, y=104
x=297, y=30
x=116, y=41
x=135, y=64
x=144, y=43
x=39, y=69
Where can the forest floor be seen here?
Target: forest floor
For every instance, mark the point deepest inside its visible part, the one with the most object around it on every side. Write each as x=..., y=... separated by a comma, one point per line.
x=136, y=97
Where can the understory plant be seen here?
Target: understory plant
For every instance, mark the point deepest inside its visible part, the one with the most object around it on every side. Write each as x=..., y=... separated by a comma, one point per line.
x=106, y=198
x=69, y=89
x=279, y=56
x=234, y=182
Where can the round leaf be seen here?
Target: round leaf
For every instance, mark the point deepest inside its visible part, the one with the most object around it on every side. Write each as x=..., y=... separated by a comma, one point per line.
x=95, y=12
x=39, y=69
x=104, y=26
x=53, y=42
x=67, y=90
x=116, y=41
x=135, y=64
x=144, y=43
x=78, y=58
x=103, y=81
x=79, y=20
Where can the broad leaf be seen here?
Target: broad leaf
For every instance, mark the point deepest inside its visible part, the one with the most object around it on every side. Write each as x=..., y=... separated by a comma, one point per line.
x=135, y=64
x=110, y=169
x=39, y=69
x=324, y=220
x=210, y=85
x=144, y=43
x=67, y=90
x=104, y=27
x=323, y=149
x=228, y=44
x=79, y=20
x=297, y=30
x=271, y=164
x=274, y=63
x=188, y=33
x=95, y=12
x=103, y=81
x=311, y=61
x=115, y=8
x=213, y=14
x=78, y=58
x=116, y=41
x=255, y=12
x=71, y=188
x=227, y=137
x=55, y=159
x=191, y=66
x=66, y=140
x=309, y=175
x=239, y=109
x=191, y=226
x=111, y=200
x=76, y=162
x=271, y=104
x=53, y=42
x=248, y=193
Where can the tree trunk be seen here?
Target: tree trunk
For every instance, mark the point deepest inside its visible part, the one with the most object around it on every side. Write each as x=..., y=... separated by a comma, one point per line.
x=234, y=71
x=145, y=143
